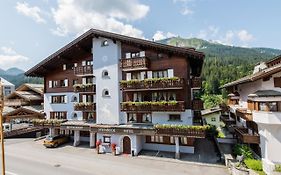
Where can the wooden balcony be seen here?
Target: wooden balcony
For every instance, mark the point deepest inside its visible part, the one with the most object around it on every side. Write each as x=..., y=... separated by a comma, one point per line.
x=194, y=133
x=15, y=102
x=197, y=104
x=152, y=84
x=84, y=88
x=245, y=114
x=196, y=82
x=85, y=106
x=245, y=137
x=83, y=70
x=169, y=106
x=134, y=64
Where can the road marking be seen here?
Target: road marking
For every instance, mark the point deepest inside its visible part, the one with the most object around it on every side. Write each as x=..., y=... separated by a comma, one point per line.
x=11, y=173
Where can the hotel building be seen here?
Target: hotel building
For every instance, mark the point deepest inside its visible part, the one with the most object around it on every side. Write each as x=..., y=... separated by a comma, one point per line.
x=115, y=89
x=255, y=111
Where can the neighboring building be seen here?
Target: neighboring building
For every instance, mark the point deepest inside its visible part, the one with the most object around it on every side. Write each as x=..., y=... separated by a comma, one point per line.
x=115, y=88
x=8, y=87
x=255, y=105
x=24, y=104
x=211, y=116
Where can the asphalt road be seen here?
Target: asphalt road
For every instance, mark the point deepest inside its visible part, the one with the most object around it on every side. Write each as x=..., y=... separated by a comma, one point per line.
x=26, y=157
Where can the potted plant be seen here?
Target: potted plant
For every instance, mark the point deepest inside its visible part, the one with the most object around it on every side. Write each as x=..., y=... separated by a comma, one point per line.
x=113, y=148
x=98, y=143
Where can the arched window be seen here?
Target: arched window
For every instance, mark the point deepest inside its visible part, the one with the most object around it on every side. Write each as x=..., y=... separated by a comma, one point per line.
x=104, y=43
x=105, y=93
x=105, y=74
x=74, y=116
x=73, y=98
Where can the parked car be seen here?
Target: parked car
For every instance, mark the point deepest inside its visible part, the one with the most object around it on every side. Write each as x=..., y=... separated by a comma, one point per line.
x=55, y=141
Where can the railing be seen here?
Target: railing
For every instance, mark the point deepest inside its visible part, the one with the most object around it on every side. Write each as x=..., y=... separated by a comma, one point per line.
x=153, y=106
x=83, y=70
x=85, y=106
x=84, y=88
x=245, y=114
x=148, y=84
x=196, y=82
x=15, y=102
x=197, y=104
x=244, y=136
x=134, y=63
x=194, y=133
x=227, y=120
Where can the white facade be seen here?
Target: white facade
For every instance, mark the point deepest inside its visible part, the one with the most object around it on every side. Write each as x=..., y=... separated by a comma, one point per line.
x=106, y=58
x=68, y=106
x=8, y=87
x=269, y=123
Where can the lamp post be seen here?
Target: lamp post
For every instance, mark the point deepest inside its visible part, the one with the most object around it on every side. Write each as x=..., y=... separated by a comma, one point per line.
x=1, y=127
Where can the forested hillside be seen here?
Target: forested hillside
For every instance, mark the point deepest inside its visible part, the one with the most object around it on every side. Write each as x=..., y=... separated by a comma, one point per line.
x=224, y=63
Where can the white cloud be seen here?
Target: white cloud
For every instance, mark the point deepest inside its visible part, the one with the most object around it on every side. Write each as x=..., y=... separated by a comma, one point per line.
x=245, y=36
x=75, y=17
x=32, y=12
x=159, y=35
x=185, y=6
x=10, y=58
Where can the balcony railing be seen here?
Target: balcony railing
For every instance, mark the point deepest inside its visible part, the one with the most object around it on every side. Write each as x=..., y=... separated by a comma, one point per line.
x=246, y=137
x=155, y=83
x=134, y=63
x=197, y=104
x=153, y=106
x=85, y=106
x=245, y=114
x=83, y=70
x=84, y=88
x=181, y=130
x=196, y=82
x=15, y=102
x=227, y=120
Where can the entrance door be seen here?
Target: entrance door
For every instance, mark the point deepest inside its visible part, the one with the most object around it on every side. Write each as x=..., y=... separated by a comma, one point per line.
x=126, y=145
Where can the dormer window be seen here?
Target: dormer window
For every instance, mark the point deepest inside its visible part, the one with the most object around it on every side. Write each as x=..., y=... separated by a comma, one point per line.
x=104, y=43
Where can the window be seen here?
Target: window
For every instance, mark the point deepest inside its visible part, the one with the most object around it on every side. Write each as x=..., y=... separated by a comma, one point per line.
x=131, y=118
x=58, y=115
x=272, y=106
x=277, y=82
x=64, y=66
x=262, y=106
x=89, y=116
x=146, y=118
x=59, y=99
x=213, y=119
x=106, y=139
x=104, y=43
x=74, y=82
x=73, y=98
x=105, y=74
x=160, y=74
x=74, y=116
x=174, y=117
x=105, y=93
x=75, y=64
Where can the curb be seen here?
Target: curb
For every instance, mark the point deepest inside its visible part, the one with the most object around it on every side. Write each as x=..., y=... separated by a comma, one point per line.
x=39, y=138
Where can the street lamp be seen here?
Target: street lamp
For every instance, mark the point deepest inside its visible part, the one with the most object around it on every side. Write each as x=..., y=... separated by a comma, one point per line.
x=1, y=126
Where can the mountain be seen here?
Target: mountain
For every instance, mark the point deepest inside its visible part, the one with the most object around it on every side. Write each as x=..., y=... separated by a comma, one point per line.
x=223, y=63
x=14, y=71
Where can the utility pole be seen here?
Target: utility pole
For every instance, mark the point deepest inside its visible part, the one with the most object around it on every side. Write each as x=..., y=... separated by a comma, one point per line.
x=1, y=127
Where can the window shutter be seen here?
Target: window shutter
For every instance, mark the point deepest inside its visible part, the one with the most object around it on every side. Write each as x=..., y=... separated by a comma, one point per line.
x=128, y=76
x=50, y=84
x=142, y=54
x=83, y=63
x=65, y=99
x=149, y=74
x=170, y=73
x=84, y=80
x=66, y=82
x=84, y=98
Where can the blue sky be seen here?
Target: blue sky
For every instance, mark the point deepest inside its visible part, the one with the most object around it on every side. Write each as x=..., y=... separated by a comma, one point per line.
x=32, y=30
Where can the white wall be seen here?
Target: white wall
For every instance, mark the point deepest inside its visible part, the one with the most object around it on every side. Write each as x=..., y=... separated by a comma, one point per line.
x=208, y=118
x=69, y=106
x=163, y=117
x=107, y=58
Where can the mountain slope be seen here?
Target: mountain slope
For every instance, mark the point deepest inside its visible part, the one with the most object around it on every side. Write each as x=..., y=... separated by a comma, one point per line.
x=14, y=71
x=224, y=63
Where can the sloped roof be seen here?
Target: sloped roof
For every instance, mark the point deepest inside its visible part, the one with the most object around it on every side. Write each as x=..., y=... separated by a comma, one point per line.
x=6, y=82
x=39, y=88
x=92, y=33
x=27, y=95
x=210, y=111
x=267, y=93
x=29, y=109
x=259, y=75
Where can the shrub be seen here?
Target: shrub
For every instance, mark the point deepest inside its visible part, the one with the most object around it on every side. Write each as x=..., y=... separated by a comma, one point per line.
x=212, y=131
x=253, y=164
x=221, y=134
x=243, y=150
x=278, y=168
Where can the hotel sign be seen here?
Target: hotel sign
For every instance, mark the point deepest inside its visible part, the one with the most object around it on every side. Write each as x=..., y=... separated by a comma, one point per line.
x=80, y=128
x=121, y=131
